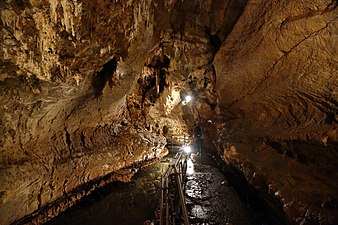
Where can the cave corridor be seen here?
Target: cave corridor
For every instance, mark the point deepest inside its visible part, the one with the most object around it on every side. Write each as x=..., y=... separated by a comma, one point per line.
x=92, y=91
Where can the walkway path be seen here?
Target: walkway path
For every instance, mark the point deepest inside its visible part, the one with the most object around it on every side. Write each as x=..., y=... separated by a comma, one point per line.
x=210, y=199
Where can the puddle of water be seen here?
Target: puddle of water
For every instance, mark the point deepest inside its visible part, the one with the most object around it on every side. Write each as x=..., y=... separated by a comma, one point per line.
x=118, y=203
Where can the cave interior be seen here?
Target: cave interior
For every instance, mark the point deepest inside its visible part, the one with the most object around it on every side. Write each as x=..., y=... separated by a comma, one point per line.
x=92, y=91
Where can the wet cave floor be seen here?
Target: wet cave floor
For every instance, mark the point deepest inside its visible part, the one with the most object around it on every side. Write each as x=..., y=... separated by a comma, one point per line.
x=210, y=199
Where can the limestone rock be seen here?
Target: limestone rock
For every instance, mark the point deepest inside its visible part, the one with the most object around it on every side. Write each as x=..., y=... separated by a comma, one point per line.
x=90, y=90
x=277, y=86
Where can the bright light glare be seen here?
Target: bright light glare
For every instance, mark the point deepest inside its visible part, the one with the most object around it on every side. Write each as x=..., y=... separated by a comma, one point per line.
x=187, y=149
x=188, y=98
x=190, y=167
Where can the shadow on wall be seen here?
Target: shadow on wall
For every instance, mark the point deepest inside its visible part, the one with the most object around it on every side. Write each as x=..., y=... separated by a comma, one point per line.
x=105, y=75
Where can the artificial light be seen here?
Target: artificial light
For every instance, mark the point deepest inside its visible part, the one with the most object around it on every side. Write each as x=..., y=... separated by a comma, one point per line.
x=188, y=98
x=187, y=149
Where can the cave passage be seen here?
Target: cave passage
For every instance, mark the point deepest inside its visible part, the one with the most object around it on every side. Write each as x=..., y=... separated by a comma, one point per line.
x=210, y=198
x=92, y=92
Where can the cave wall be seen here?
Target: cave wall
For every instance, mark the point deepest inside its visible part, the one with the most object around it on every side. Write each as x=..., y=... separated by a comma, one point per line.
x=91, y=90
x=277, y=82
x=66, y=67
x=78, y=99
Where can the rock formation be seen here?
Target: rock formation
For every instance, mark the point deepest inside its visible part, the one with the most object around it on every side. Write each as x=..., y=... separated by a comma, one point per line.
x=91, y=89
x=277, y=86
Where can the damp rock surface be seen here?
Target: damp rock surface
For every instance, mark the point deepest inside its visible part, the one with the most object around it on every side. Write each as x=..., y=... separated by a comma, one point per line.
x=91, y=89
x=211, y=200
x=119, y=203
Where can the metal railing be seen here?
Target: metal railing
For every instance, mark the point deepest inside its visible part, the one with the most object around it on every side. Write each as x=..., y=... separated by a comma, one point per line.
x=173, y=209
x=177, y=140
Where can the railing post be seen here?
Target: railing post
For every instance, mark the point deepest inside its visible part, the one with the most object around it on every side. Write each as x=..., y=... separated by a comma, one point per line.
x=167, y=202
x=162, y=201
x=172, y=187
x=182, y=199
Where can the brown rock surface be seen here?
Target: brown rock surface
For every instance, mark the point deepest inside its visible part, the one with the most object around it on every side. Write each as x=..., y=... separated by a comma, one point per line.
x=277, y=81
x=91, y=89
x=66, y=67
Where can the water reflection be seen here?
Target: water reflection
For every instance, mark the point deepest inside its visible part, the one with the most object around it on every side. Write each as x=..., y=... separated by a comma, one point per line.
x=118, y=203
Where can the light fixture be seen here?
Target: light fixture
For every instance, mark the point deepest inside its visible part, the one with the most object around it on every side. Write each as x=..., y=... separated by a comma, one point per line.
x=187, y=98
x=187, y=149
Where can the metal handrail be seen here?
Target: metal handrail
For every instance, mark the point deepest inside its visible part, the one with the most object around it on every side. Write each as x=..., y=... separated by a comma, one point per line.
x=183, y=137
x=172, y=184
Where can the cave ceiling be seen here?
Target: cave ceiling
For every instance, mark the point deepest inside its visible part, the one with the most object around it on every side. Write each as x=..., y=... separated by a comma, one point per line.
x=95, y=88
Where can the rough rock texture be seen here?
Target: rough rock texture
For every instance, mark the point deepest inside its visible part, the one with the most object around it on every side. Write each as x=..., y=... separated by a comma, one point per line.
x=66, y=70
x=93, y=88
x=277, y=80
x=64, y=121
